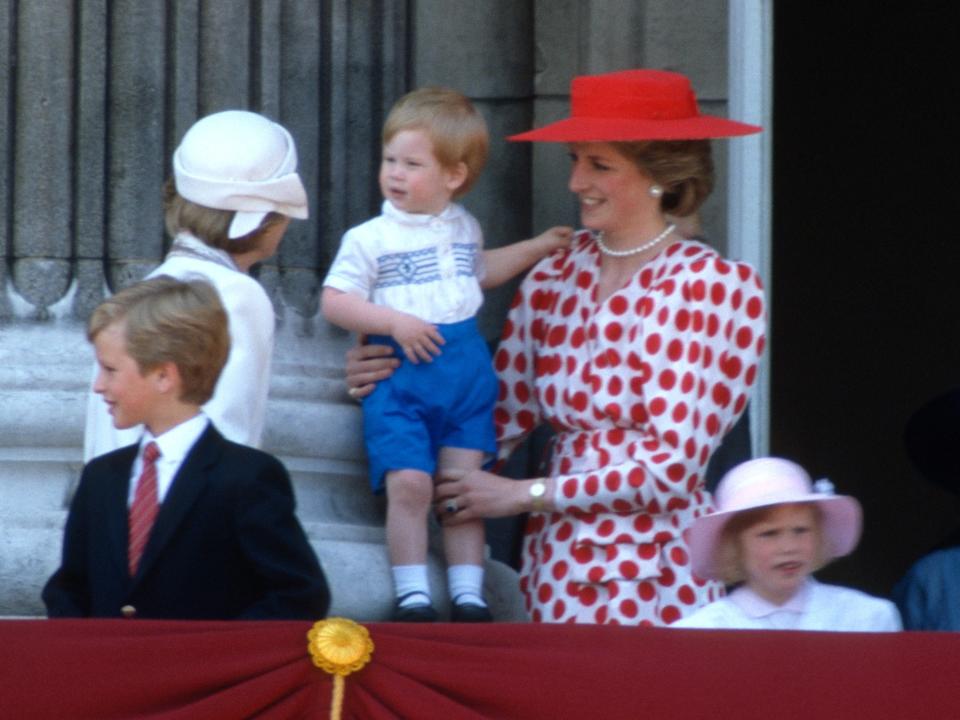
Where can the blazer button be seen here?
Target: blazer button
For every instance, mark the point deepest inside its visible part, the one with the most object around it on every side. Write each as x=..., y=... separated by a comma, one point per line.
x=128, y=611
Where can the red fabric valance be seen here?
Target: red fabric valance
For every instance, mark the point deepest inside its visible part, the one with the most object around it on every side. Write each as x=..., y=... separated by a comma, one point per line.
x=107, y=669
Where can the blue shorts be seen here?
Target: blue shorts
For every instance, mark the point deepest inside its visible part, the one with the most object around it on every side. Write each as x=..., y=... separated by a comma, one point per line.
x=424, y=407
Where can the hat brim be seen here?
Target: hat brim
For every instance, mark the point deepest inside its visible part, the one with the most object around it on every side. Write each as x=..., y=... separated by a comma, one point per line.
x=842, y=523
x=588, y=129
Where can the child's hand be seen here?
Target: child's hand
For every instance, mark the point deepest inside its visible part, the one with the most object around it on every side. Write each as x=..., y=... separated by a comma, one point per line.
x=419, y=340
x=556, y=238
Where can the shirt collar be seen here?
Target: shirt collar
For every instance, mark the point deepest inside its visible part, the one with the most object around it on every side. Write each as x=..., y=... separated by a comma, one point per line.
x=176, y=442
x=757, y=607
x=451, y=212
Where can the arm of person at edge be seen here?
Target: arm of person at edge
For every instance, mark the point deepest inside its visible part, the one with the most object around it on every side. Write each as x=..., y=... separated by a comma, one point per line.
x=662, y=467
x=419, y=339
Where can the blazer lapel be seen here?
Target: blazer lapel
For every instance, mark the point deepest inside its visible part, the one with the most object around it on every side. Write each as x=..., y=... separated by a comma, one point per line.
x=186, y=487
x=116, y=488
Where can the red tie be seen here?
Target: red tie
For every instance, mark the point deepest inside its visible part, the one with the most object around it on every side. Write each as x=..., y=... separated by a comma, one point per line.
x=145, y=506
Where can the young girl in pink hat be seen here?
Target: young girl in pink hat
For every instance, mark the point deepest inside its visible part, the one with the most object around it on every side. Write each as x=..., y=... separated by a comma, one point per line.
x=771, y=531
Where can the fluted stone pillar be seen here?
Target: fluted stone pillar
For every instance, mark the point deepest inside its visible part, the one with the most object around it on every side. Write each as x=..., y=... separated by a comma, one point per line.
x=42, y=161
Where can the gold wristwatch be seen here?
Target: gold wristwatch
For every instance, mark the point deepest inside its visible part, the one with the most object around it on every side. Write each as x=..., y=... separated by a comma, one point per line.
x=538, y=493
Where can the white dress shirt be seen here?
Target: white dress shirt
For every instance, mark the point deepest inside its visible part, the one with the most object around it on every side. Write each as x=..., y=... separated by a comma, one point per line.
x=174, y=445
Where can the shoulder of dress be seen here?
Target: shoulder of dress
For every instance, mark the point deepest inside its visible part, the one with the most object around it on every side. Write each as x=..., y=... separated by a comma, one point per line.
x=714, y=615
x=582, y=239
x=239, y=289
x=560, y=265
x=838, y=593
x=692, y=259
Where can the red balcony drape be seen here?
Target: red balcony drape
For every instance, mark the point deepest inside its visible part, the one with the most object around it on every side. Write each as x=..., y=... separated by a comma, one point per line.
x=107, y=669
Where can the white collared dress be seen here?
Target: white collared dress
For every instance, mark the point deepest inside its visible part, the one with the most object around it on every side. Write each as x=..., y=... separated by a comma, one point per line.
x=814, y=606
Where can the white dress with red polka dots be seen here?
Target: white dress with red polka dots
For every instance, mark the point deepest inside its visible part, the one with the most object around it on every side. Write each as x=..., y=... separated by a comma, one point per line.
x=640, y=388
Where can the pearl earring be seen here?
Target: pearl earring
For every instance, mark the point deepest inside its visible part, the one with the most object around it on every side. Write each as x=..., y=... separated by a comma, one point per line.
x=655, y=191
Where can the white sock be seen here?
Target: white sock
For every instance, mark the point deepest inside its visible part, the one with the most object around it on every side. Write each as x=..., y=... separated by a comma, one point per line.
x=466, y=584
x=411, y=581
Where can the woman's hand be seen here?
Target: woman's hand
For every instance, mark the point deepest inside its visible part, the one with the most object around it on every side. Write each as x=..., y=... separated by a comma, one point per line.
x=366, y=366
x=463, y=495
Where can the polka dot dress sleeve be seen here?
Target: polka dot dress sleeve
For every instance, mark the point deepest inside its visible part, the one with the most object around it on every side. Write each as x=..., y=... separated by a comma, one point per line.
x=671, y=367
x=517, y=412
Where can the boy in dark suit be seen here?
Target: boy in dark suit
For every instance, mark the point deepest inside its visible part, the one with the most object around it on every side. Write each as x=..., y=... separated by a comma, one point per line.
x=184, y=524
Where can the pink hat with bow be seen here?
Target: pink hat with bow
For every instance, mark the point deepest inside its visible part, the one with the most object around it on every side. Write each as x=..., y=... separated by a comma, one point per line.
x=766, y=482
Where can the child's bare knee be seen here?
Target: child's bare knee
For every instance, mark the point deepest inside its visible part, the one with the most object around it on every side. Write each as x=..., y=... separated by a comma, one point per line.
x=411, y=489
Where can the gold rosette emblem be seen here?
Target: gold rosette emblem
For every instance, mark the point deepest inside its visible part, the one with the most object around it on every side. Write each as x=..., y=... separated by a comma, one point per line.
x=339, y=646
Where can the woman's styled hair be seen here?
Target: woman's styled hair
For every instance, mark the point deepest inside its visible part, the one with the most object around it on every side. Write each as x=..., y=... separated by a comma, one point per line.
x=729, y=552
x=684, y=168
x=168, y=320
x=455, y=127
x=210, y=225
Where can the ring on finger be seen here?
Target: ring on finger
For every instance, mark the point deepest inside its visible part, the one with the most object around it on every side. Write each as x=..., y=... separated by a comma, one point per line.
x=451, y=507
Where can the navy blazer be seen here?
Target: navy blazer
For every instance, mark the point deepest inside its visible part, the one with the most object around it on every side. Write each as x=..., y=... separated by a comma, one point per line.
x=226, y=543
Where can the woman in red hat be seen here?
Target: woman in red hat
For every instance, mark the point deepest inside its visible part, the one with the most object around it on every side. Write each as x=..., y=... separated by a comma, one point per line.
x=638, y=347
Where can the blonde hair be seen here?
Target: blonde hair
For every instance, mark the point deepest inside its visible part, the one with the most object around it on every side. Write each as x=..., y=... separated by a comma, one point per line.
x=455, y=127
x=729, y=551
x=168, y=320
x=210, y=225
x=684, y=168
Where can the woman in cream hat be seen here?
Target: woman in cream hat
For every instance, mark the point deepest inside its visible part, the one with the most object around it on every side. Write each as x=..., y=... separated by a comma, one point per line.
x=771, y=531
x=637, y=346
x=234, y=189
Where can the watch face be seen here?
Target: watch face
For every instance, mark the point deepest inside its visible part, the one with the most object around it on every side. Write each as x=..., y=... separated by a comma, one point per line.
x=538, y=489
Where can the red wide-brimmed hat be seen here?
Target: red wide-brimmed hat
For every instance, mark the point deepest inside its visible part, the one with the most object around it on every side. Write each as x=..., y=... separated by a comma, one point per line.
x=635, y=105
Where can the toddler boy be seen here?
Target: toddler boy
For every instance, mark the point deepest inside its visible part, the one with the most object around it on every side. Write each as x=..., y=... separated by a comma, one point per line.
x=413, y=278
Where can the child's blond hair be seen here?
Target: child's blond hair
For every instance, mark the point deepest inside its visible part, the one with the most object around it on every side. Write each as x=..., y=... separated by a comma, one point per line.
x=169, y=320
x=456, y=129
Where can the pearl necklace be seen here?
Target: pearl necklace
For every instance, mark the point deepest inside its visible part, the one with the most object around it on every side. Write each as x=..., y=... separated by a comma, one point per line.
x=633, y=251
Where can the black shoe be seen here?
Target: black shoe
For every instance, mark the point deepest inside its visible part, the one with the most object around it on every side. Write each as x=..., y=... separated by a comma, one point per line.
x=469, y=613
x=422, y=612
